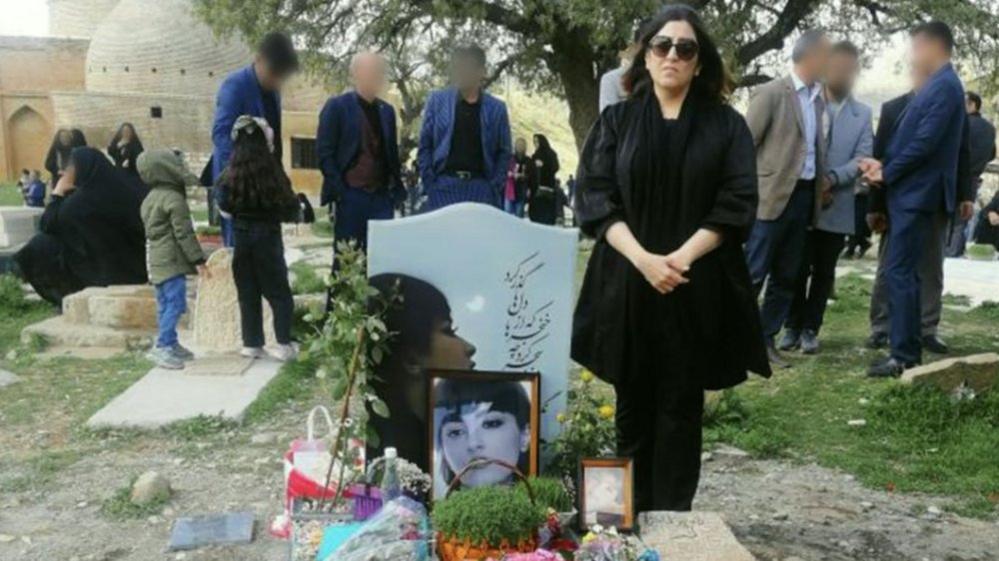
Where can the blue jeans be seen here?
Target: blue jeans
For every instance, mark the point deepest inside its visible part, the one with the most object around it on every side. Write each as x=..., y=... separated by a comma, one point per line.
x=449, y=190
x=515, y=208
x=774, y=254
x=171, y=303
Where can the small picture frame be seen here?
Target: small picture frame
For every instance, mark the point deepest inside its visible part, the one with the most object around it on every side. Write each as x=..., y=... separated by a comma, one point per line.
x=476, y=415
x=606, y=493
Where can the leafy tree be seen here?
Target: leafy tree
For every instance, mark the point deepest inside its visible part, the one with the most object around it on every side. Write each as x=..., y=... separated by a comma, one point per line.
x=563, y=46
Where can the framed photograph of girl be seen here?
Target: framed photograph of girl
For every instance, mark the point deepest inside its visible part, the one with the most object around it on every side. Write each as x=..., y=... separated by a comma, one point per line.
x=606, y=493
x=482, y=415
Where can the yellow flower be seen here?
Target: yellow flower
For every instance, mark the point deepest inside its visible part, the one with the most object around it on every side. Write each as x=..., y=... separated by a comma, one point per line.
x=589, y=537
x=606, y=411
x=560, y=417
x=586, y=376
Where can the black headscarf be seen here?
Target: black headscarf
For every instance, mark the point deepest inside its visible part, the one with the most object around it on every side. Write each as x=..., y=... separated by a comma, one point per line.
x=545, y=153
x=99, y=223
x=58, y=156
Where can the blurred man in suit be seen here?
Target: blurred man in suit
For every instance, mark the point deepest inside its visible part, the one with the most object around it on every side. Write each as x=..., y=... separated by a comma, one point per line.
x=982, y=150
x=464, y=147
x=850, y=138
x=919, y=173
x=786, y=119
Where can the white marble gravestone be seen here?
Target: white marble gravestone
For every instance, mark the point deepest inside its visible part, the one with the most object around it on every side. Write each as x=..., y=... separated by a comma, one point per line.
x=509, y=283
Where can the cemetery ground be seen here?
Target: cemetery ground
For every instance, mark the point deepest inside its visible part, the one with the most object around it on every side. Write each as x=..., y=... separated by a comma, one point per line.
x=818, y=463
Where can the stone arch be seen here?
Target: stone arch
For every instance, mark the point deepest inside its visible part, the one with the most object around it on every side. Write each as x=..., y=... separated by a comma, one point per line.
x=28, y=135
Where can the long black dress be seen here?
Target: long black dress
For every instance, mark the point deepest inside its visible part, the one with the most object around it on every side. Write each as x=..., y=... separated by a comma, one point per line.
x=666, y=180
x=543, y=204
x=92, y=237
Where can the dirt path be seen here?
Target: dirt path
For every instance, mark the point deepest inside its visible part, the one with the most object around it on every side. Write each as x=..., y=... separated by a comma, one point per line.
x=780, y=511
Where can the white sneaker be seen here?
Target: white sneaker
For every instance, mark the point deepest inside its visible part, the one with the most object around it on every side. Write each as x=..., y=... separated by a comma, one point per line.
x=252, y=352
x=284, y=353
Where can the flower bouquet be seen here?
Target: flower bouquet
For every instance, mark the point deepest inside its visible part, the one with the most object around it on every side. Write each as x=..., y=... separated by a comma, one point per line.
x=400, y=531
x=602, y=544
x=367, y=496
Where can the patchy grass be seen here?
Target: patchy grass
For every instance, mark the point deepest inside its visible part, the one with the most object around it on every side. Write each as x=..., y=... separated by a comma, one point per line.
x=119, y=506
x=915, y=440
x=308, y=279
x=295, y=383
x=10, y=196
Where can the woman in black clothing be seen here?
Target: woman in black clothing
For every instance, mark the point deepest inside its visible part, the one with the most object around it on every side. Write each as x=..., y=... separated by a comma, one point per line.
x=57, y=158
x=255, y=191
x=543, y=205
x=125, y=148
x=667, y=186
x=91, y=231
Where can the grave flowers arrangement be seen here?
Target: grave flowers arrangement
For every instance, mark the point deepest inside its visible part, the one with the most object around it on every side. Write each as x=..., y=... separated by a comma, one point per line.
x=606, y=544
x=587, y=428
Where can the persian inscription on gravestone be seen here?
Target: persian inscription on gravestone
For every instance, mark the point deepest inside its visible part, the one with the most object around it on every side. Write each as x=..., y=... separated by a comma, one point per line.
x=213, y=529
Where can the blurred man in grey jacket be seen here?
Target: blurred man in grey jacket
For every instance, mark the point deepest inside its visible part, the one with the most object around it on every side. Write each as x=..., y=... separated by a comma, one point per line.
x=850, y=137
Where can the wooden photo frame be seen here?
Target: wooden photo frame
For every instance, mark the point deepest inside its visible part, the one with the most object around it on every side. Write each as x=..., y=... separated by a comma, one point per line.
x=504, y=424
x=608, y=502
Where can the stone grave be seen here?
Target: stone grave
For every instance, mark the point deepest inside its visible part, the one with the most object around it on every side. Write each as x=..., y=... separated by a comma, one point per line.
x=979, y=373
x=17, y=226
x=216, y=309
x=114, y=318
x=691, y=536
x=214, y=529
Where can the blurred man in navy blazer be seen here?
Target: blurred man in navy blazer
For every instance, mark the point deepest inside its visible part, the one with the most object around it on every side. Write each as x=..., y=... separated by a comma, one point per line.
x=358, y=153
x=919, y=173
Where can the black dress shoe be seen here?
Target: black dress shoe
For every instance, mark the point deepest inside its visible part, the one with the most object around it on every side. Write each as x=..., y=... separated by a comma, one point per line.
x=888, y=368
x=935, y=345
x=775, y=357
x=877, y=341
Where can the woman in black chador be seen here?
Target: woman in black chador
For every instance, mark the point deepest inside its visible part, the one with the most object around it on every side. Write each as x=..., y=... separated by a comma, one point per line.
x=543, y=204
x=667, y=186
x=125, y=148
x=91, y=231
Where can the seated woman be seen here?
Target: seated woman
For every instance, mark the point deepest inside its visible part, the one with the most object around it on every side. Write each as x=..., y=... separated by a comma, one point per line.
x=91, y=231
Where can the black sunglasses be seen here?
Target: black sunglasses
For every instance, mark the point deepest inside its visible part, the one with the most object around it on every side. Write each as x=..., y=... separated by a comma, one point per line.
x=686, y=49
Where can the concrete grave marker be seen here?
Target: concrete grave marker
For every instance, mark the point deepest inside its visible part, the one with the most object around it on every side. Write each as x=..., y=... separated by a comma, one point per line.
x=691, y=536
x=214, y=529
x=978, y=372
x=216, y=310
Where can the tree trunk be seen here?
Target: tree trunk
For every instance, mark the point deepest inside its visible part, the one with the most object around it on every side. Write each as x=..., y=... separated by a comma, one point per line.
x=574, y=63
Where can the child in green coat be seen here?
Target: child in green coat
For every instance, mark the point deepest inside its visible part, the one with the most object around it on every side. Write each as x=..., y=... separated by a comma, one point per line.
x=172, y=249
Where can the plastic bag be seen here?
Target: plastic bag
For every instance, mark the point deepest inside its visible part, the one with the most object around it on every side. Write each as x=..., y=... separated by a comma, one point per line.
x=400, y=531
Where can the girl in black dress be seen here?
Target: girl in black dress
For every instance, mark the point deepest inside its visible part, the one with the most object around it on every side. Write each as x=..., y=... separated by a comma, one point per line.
x=667, y=186
x=125, y=148
x=543, y=204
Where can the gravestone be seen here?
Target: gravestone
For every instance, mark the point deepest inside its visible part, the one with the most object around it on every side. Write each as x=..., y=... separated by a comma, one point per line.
x=18, y=225
x=216, y=309
x=978, y=372
x=214, y=529
x=691, y=536
x=508, y=282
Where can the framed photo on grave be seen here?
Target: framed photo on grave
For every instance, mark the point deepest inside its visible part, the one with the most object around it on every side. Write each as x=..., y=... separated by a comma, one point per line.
x=482, y=415
x=606, y=493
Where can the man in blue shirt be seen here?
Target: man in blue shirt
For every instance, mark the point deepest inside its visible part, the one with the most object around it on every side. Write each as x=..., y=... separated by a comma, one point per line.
x=256, y=91
x=464, y=146
x=34, y=190
x=919, y=173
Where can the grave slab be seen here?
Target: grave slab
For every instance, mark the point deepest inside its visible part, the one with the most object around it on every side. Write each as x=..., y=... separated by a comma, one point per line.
x=164, y=396
x=691, y=536
x=18, y=224
x=979, y=372
x=213, y=529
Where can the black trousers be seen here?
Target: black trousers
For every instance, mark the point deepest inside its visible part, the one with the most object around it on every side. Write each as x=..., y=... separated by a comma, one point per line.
x=861, y=239
x=260, y=271
x=659, y=426
x=815, y=283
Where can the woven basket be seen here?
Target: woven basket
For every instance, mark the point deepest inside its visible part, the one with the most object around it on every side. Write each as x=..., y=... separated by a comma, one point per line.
x=449, y=548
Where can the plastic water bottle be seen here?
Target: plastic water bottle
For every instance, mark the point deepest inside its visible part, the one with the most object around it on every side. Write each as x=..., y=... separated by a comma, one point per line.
x=391, y=487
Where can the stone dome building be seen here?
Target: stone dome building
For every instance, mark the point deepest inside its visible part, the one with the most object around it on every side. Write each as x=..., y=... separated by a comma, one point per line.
x=147, y=62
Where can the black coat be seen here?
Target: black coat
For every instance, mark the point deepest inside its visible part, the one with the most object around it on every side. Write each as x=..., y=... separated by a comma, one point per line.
x=719, y=188
x=125, y=157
